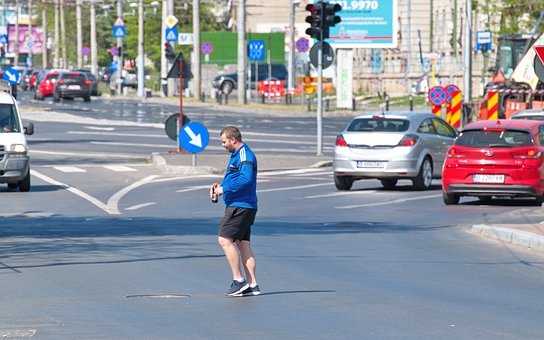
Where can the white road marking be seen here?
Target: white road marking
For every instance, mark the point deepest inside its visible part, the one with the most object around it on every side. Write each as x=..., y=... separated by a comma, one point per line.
x=75, y=191
x=86, y=154
x=69, y=169
x=296, y=187
x=289, y=172
x=99, y=128
x=119, y=168
x=113, y=201
x=315, y=174
x=346, y=193
x=90, y=165
x=179, y=178
x=201, y=187
x=400, y=200
x=139, y=206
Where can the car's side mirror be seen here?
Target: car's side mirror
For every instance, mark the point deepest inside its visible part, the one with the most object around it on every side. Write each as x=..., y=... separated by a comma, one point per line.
x=29, y=129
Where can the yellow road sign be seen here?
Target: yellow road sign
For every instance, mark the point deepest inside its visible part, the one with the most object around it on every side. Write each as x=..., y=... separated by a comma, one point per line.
x=171, y=21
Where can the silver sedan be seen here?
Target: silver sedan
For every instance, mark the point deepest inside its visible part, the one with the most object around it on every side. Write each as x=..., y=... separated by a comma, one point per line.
x=390, y=146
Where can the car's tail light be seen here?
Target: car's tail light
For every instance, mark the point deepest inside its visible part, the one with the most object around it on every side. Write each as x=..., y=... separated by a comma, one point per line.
x=341, y=142
x=527, y=154
x=408, y=140
x=87, y=82
x=61, y=82
x=454, y=153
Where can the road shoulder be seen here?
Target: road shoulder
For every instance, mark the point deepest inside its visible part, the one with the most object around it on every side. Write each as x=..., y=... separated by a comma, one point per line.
x=530, y=236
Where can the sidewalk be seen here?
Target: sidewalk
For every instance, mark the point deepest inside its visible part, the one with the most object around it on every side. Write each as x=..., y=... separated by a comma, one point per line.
x=526, y=235
x=181, y=164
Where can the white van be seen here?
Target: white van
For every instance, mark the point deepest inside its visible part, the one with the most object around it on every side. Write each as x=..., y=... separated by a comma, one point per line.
x=14, y=160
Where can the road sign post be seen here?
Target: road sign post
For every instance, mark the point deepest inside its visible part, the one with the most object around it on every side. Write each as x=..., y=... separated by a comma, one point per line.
x=193, y=138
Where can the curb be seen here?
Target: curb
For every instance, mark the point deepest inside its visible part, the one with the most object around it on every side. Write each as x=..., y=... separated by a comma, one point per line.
x=321, y=164
x=513, y=236
x=160, y=163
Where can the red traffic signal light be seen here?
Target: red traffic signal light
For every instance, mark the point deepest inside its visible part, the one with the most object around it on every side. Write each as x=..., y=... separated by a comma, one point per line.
x=315, y=19
x=169, y=52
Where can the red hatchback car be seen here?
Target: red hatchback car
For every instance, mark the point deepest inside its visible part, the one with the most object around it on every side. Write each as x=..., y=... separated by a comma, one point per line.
x=496, y=158
x=46, y=87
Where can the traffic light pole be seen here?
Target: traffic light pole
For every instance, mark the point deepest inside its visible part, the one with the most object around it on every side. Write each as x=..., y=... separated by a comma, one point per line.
x=320, y=99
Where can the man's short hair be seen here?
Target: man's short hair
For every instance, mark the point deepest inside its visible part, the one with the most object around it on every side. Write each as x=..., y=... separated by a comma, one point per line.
x=231, y=132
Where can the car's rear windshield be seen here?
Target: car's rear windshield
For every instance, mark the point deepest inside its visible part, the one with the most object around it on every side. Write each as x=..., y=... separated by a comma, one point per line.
x=487, y=138
x=379, y=125
x=530, y=117
x=76, y=76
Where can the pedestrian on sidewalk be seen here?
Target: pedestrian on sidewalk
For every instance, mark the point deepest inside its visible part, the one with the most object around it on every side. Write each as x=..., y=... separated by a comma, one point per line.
x=239, y=191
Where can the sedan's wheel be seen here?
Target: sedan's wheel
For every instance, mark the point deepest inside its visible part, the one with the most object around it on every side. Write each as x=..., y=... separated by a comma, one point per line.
x=424, y=178
x=450, y=199
x=389, y=183
x=226, y=87
x=343, y=182
x=24, y=185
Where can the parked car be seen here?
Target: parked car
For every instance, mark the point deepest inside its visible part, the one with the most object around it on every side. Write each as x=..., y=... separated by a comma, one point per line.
x=496, y=158
x=94, y=80
x=14, y=163
x=226, y=83
x=130, y=79
x=534, y=114
x=392, y=146
x=71, y=84
x=46, y=82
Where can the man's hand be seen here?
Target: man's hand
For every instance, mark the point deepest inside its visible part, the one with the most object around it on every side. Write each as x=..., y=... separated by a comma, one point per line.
x=213, y=189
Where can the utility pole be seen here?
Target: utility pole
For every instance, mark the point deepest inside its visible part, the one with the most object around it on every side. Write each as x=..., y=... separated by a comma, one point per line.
x=120, y=51
x=44, y=29
x=94, y=52
x=408, y=45
x=56, y=60
x=141, y=55
x=79, y=39
x=30, y=42
x=467, y=98
x=16, y=45
x=164, y=62
x=64, y=63
x=171, y=82
x=197, y=68
x=291, y=57
x=241, y=25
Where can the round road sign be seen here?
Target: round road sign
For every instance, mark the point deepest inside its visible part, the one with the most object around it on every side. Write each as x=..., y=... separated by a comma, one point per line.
x=302, y=45
x=206, y=48
x=171, y=126
x=450, y=90
x=437, y=95
x=328, y=54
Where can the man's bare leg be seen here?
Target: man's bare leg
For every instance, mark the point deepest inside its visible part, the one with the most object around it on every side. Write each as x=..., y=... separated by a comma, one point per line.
x=248, y=261
x=233, y=257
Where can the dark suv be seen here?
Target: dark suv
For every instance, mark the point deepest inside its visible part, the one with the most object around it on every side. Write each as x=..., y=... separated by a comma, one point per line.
x=229, y=81
x=71, y=85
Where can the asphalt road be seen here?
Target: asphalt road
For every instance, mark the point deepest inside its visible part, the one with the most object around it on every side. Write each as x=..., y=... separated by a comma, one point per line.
x=107, y=247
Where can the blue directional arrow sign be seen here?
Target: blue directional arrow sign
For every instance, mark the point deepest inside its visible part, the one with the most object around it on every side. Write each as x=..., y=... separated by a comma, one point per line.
x=3, y=39
x=12, y=76
x=255, y=50
x=171, y=34
x=118, y=31
x=193, y=137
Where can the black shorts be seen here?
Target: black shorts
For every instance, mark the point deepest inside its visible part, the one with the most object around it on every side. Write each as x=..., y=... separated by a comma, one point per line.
x=236, y=224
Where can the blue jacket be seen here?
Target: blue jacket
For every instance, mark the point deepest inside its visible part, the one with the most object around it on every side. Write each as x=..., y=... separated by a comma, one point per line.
x=240, y=181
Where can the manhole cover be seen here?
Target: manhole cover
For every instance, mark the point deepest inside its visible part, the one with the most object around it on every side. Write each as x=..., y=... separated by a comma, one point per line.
x=159, y=296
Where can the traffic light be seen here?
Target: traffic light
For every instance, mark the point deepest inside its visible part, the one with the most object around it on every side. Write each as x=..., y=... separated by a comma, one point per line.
x=315, y=20
x=169, y=52
x=322, y=17
x=330, y=19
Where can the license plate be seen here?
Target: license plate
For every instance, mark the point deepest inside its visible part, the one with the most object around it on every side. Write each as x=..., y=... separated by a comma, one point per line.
x=74, y=87
x=478, y=178
x=370, y=164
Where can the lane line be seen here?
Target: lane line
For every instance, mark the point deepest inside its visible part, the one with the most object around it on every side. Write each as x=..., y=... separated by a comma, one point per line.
x=85, y=154
x=348, y=193
x=400, y=200
x=75, y=191
x=290, y=172
x=113, y=201
x=315, y=174
x=207, y=186
x=296, y=187
x=139, y=206
x=69, y=169
x=119, y=168
x=179, y=178
x=97, y=128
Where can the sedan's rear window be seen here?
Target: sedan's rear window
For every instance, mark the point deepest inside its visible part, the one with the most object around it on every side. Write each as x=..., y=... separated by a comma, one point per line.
x=486, y=138
x=379, y=125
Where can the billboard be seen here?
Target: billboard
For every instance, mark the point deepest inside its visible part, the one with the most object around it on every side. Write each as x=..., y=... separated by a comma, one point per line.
x=366, y=24
x=24, y=41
